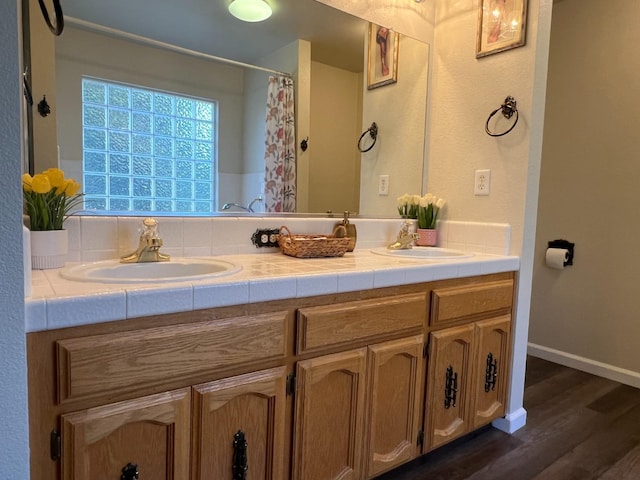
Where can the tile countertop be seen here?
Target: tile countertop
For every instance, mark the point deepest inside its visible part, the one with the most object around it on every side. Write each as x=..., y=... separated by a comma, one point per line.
x=58, y=303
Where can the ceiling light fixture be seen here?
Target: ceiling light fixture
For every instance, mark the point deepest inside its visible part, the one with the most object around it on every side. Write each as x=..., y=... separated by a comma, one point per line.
x=250, y=10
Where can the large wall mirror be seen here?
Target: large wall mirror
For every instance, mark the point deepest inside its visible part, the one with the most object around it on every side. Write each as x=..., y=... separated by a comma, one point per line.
x=146, y=50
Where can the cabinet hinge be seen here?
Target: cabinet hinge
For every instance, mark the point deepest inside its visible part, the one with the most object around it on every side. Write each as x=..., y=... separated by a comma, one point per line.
x=425, y=349
x=420, y=440
x=55, y=445
x=291, y=384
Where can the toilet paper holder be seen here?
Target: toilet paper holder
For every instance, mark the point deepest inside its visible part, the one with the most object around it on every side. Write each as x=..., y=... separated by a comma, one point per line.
x=566, y=245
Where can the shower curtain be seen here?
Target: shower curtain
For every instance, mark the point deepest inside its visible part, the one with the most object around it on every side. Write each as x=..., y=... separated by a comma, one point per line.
x=280, y=147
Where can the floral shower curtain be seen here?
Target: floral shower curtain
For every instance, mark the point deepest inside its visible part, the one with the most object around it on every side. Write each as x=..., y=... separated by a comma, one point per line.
x=280, y=147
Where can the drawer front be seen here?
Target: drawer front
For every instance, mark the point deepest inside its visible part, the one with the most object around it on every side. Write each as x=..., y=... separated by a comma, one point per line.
x=343, y=323
x=99, y=364
x=470, y=302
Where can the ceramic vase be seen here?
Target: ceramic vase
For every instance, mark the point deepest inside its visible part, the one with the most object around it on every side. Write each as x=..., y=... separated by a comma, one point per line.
x=427, y=237
x=49, y=249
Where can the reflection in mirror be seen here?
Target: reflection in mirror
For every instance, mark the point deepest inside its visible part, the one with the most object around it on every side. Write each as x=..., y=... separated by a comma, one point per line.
x=223, y=142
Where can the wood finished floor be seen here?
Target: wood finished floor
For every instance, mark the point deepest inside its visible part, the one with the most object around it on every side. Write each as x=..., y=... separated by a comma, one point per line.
x=579, y=427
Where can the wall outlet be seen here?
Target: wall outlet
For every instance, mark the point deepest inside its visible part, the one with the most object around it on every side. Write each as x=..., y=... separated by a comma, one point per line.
x=383, y=185
x=482, y=183
x=265, y=237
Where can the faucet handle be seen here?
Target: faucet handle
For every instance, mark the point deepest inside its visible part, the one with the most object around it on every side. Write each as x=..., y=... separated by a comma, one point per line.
x=149, y=228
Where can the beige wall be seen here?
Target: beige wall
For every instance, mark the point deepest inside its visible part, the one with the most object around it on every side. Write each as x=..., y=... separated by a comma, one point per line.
x=336, y=116
x=464, y=91
x=415, y=19
x=42, y=73
x=589, y=188
x=399, y=111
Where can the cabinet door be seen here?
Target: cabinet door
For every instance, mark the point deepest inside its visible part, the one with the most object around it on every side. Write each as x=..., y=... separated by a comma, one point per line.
x=395, y=372
x=148, y=434
x=493, y=345
x=448, y=385
x=238, y=426
x=328, y=432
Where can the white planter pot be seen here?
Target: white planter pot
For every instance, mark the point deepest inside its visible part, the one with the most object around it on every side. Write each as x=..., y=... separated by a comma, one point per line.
x=49, y=249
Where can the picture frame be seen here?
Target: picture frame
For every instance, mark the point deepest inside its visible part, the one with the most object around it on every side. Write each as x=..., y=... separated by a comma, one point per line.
x=501, y=26
x=382, y=57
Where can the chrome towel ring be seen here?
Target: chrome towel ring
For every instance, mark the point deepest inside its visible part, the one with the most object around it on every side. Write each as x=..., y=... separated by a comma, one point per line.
x=508, y=108
x=373, y=133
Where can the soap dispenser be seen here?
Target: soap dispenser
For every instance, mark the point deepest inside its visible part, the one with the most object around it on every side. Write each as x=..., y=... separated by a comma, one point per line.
x=349, y=230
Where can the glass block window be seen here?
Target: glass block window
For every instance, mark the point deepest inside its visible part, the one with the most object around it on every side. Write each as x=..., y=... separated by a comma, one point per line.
x=147, y=151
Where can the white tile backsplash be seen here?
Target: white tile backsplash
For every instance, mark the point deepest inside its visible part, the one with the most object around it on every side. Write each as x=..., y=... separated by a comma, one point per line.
x=103, y=238
x=98, y=233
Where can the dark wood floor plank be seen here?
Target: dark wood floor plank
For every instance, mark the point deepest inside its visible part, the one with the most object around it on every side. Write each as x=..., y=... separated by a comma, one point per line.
x=459, y=459
x=572, y=399
x=542, y=447
x=598, y=453
x=538, y=369
x=628, y=468
x=616, y=399
x=545, y=394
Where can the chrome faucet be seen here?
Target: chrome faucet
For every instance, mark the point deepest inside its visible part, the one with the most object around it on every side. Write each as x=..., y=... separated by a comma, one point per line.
x=227, y=206
x=148, y=246
x=257, y=199
x=248, y=208
x=405, y=238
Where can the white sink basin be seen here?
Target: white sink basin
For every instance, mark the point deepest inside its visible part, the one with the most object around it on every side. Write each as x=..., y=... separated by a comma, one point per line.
x=426, y=253
x=175, y=270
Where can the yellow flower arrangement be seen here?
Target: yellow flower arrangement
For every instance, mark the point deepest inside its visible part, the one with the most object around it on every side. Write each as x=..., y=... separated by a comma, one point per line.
x=49, y=198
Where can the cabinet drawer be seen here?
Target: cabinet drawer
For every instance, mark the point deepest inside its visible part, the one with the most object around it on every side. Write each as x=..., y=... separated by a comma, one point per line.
x=93, y=365
x=454, y=304
x=321, y=327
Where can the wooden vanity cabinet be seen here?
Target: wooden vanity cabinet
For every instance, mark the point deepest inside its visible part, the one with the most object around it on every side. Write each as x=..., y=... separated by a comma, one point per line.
x=394, y=402
x=357, y=412
x=239, y=427
x=468, y=364
x=321, y=388
x=149, y=435
x=329, y=417
x=176, y=397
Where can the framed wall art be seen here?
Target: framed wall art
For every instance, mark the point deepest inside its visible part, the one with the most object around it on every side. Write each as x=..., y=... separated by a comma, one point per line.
x=382, y=62
x=501, y=26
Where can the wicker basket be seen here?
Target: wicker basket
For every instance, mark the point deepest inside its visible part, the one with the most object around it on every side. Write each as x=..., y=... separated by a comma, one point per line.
x=311, y=246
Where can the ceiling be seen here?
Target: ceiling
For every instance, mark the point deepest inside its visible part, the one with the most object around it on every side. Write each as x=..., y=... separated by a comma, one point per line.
x=207, y=26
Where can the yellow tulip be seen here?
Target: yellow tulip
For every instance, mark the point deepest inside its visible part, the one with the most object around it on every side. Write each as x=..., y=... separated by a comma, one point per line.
x=49, y=198
x=70, y=187
x=40, y=183
x=26, y=182
x=56, y=177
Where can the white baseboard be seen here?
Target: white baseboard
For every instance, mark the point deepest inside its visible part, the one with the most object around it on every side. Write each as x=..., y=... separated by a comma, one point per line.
x=512, y=421
x=622, y=375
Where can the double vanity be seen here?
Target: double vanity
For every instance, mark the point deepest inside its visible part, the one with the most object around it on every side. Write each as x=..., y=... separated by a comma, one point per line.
x=270, y=368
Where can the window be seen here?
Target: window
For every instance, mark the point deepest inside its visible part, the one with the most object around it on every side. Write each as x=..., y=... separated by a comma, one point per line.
x=146, y=150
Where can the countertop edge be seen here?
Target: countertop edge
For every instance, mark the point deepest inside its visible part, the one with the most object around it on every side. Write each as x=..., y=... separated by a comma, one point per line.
x=58, y=303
